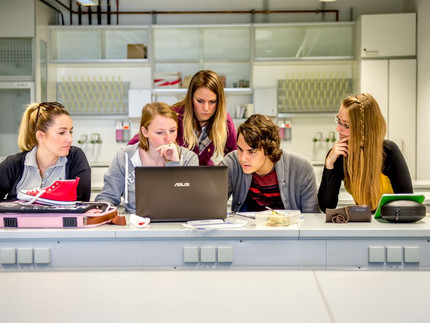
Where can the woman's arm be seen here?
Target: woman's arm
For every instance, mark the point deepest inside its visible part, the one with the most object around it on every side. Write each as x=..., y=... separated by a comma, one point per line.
x=230, y=145
x=114, y=181
x=78, y=166
x=11, y=170
x=328, y=192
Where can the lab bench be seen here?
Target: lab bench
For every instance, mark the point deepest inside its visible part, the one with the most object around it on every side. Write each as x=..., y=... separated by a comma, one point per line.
x=310, y=244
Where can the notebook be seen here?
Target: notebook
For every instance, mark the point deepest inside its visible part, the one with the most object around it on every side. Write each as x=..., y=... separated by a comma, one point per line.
x=181, y=193
x=385, y=198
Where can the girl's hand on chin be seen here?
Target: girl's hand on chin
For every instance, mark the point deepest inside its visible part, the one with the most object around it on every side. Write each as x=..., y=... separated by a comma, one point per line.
x=339, y=148
x=169, y=152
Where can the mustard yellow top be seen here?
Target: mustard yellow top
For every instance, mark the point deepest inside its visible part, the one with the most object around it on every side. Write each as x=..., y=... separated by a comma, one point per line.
x=384, y=186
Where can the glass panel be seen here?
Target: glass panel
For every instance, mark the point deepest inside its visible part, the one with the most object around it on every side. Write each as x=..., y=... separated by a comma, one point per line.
x=12, y=103
x=271, y=42
x=304, y=41
x=16, y=58
x=75, y=44
x=117, y=40
x=328, y=41
x=226, y=43
x=178, y=44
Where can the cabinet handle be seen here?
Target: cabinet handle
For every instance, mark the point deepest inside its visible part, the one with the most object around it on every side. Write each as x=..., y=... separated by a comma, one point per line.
x=371, y=51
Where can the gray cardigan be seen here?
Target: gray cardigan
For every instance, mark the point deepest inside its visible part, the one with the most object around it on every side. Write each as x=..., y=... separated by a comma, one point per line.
x=114, y=179
x=296, y=179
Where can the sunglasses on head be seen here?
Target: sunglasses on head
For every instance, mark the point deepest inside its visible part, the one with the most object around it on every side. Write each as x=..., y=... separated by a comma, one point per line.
x=49, y=106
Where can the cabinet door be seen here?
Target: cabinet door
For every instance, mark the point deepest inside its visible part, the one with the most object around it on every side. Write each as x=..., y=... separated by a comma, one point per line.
x=265, y=101
x=393, y=85
x=88, y=44
x=402, y=109
x=17, y=18
x=298, y=41
x=374, y=80
x=388, y=35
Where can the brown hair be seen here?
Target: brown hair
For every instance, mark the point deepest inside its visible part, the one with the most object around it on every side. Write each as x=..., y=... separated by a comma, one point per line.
x=149, y=112
x=217, y=124
x=363, y=165
x=37, y=117
x=260, y=132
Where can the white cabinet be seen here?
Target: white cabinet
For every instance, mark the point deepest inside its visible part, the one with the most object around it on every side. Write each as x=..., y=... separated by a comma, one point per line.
x=374, y=80
x=17, y=18
x=307, y=41
x=79, y=44
x=185, y=50
x=392, y=81
x=393, y=84
x=265, y=101
x=181, y=51
x=17, y=31
x=95, y=66
x=402, y=108
x=387, y=35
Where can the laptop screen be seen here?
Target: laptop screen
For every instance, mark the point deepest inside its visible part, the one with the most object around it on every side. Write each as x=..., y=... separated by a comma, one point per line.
x=181, y=193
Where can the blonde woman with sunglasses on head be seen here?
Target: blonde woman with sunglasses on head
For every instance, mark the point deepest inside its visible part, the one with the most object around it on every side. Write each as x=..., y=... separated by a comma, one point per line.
x=45, y=139
x=368, y=164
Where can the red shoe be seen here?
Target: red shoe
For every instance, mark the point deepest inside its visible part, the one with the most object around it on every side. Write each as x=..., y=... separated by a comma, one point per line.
x=62, y=192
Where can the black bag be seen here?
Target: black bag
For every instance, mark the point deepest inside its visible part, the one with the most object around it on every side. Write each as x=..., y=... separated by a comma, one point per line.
x=403, y=211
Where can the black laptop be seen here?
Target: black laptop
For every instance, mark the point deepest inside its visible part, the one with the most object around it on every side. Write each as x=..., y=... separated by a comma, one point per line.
x=181, y=193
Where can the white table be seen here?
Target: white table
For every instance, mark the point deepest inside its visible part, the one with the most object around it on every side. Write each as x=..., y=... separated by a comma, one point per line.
x=311, y=244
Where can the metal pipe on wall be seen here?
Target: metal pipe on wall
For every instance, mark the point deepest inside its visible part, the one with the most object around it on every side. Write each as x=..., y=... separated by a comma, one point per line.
x=99, y=13
x=79, y=14
x=191, y=12
x=59, y=11
x=71, y=14
x=117, y=12
x=108, y=12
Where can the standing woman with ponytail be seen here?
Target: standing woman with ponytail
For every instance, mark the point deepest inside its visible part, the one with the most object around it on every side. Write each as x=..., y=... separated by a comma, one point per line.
x=204, y=125
x=47, y=155
x=369, y=165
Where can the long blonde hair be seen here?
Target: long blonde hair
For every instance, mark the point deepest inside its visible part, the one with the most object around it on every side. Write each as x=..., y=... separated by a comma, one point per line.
x=363, y=165
x=217, y=124
x=37, y=117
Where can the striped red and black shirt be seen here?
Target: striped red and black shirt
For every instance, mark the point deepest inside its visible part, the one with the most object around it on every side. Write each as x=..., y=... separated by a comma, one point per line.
x=264, y=191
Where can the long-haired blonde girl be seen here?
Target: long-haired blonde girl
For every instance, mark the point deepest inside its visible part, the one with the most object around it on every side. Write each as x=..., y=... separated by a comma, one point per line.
x=369, y=165
x=207, y=128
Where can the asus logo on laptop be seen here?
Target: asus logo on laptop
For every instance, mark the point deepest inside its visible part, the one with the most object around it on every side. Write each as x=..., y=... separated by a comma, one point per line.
x=181, y=184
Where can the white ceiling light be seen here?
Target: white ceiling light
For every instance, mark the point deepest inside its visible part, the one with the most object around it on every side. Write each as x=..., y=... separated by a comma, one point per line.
x=327, y=0
x=87, y=2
